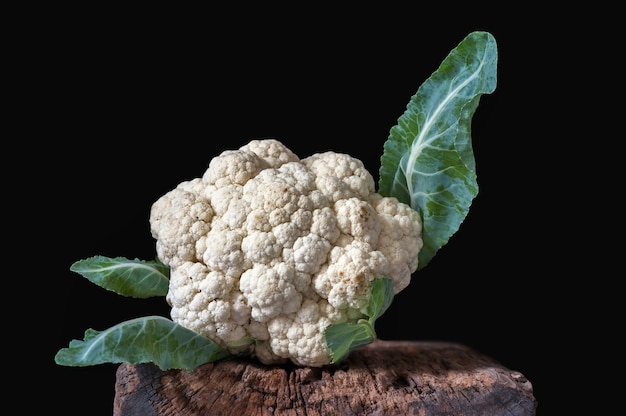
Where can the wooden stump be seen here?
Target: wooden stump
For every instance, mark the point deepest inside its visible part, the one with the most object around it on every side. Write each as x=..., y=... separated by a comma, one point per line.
x=383, y=378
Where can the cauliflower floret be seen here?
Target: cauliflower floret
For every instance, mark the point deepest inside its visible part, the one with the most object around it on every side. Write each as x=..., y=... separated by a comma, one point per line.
x=233, y=167
x=346, y=277
x=400, y=239
x=300, y=336
x=209, y=303
x=180, y=218
x=273, y=152
x=270, y=291
x=340, y=176
x=274, y=249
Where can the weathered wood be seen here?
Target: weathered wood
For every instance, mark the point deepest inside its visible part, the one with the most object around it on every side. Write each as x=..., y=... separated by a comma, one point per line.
x=383, y=378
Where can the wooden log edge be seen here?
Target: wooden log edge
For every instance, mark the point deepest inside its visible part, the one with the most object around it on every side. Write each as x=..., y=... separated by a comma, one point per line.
x=383, y=378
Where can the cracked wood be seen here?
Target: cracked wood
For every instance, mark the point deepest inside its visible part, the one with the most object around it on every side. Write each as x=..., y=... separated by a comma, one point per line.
x=383, y=378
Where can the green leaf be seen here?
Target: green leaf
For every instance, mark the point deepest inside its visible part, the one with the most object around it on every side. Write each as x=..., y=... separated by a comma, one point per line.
x=134, y=278
x=428, y=161
x=346, y=337
x=149, y=339
x=380, y=298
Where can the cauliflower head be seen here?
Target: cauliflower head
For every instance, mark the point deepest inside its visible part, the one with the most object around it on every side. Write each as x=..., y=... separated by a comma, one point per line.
x=266, y=250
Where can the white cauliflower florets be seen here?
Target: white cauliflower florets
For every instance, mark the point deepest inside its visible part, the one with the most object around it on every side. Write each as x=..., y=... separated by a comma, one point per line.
x=273, y=249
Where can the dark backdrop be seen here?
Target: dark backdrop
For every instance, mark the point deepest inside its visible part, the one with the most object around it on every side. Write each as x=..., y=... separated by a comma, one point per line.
x=132, y=107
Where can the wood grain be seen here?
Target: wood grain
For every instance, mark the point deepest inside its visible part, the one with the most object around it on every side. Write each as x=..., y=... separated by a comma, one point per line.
x=383, y=378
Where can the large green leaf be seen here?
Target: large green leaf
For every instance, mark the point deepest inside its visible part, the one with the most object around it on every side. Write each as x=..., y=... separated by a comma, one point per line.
x=150, y=339
x=428, y=161
x=134, y=278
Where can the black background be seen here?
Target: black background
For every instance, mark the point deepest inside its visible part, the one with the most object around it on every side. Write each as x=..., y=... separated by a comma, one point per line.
x=125, y=108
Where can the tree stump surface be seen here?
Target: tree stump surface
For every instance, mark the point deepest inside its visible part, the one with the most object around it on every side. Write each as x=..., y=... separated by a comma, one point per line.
x=382, y=378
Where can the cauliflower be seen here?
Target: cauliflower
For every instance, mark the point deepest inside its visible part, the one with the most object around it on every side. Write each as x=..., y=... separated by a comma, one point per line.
x=267, y=250
x=284, y=259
